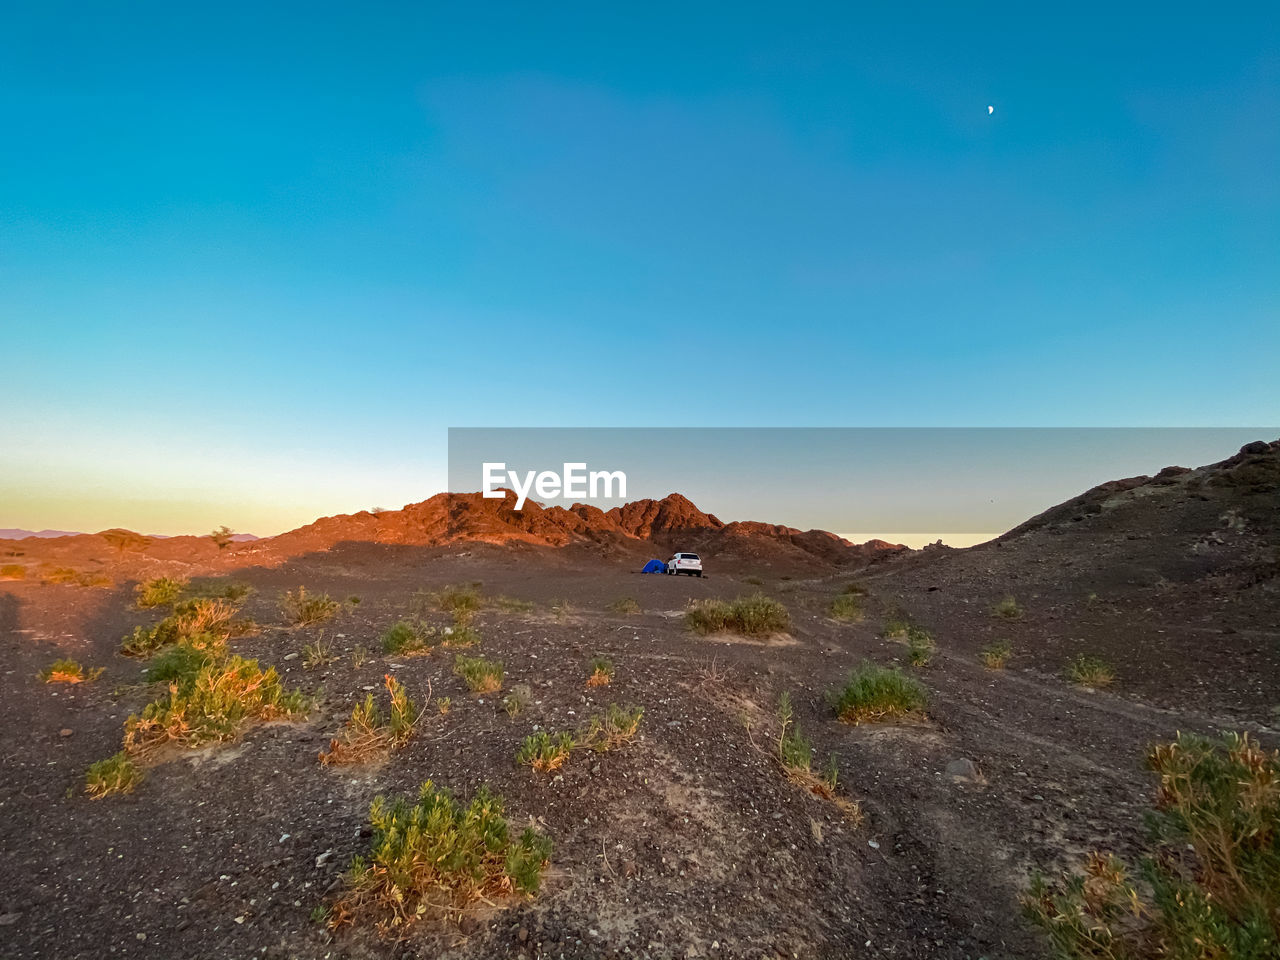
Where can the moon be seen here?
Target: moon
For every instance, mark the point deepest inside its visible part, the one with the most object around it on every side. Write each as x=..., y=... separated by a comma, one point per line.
x=990, y=110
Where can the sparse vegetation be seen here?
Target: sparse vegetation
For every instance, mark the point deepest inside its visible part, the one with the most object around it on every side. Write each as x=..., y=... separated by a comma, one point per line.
x=895, y=628
x=460, y=636
x=617, y=726
x=212, y=702
x=627, y=606
x=512, y=605
x=517, y=699
x=369, y=734
x=306, y=610
x=433, y=857
x=183, y=659
x=1090, y=671
x=444, y=705
x=545, y=752
x=359, y=657
x=920, y=646
x=847, y=607
x=192, y=619
x=795, y=753
x=995, y=656
x=1209, y=885
x=159, y=592
x=69, y=671
x=794, y=750
x=222, y=536
x=874, y=693
x=1007, y=609
x=116, y=774
x=601, y=672
x=318, y=654
x=754, y=581
x=461, y=600
x=73, y=577
x=562, y=609
x=481, y=675
x=233, y=590
x=13, y=571
x=753, y=616
x=407, y=637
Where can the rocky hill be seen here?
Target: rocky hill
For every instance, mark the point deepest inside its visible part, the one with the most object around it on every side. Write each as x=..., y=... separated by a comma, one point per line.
x=642, y=527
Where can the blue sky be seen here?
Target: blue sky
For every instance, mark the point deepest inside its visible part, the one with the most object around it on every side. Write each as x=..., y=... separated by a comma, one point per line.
x=254, y=260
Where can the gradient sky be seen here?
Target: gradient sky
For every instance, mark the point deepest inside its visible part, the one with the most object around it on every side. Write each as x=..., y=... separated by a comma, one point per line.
x=255, y=259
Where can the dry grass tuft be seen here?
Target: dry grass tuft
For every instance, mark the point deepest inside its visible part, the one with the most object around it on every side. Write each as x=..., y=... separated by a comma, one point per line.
x=617, y=726
x=1090, y=672
x=995, y=656
x=480, y=675
x=369, y=735
x=601, y=672
x=69, y=671
x=304, y=609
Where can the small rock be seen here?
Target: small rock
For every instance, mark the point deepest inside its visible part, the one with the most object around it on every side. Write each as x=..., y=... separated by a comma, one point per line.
x=9, y=919
x=65, y=732
x=290, y=656
x=963, y=769
x=141, y=936
x=873, y=844
x=522, y=934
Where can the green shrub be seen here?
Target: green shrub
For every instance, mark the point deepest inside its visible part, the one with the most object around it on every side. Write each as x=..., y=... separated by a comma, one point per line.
x=116, y=774
x=211, y=704
x=183, y=661
x=617, y=726
x=481, y=675
x=1007, y=609
x=1210, y=881
x=306, y=610
x=408, y=637
x=1090, y=671
x=191, y=619
x=874, y=693
x=544, y=752
x=433, y=857
x=995, y=656
x=753, y=616
x=69, y=671
x=847, y=607
x=159, y=592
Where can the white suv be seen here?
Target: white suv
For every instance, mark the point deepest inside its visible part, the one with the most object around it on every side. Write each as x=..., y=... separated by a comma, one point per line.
x=685, y=563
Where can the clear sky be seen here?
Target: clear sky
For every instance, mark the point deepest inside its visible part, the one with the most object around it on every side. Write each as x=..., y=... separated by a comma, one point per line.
x=255, y=259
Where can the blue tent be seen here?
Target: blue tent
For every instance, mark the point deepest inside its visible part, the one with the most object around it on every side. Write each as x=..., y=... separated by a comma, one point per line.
x=654, y=566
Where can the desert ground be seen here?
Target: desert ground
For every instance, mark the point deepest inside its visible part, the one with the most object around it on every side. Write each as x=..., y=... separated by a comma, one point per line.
x=690, y=840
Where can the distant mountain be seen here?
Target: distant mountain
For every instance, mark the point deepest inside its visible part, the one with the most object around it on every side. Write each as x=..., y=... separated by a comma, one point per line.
x=12, y=533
